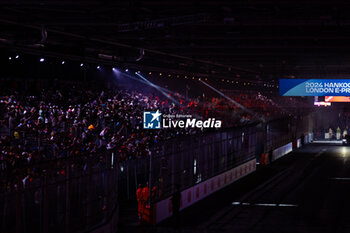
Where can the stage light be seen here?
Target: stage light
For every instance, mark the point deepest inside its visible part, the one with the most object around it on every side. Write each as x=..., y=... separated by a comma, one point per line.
x=98, y=67
x=63, y=62
x=10, y=58
x=126, y=70
x=160, y=74
x=42, y=59
x=150, y=73
x=17, y=56
x=81, y=64
x=117, y=71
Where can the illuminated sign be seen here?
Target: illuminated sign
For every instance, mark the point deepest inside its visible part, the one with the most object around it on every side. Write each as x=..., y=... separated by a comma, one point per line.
x=322, y=103
x=337, y=98
x=314, y=87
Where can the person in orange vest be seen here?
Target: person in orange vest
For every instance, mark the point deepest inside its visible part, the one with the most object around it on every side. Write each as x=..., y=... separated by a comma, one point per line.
x=145, y=198
x=262, y=159
x=145, y=194
x=139, y=202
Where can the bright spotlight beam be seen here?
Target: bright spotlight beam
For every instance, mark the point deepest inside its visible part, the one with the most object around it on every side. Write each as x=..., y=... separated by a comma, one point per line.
x=144, y=82
x=232, y=101
x=158, y=88
x=162, y=90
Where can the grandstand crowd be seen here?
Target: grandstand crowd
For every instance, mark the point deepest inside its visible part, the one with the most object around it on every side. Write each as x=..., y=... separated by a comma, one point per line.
x=75, y=121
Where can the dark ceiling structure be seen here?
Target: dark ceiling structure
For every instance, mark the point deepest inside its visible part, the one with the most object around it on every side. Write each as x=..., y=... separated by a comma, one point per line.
x=256, y=39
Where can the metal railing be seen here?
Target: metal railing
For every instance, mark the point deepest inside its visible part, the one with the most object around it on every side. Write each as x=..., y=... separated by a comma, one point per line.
x=187, y=161
x=79, y=193
x=68, y=195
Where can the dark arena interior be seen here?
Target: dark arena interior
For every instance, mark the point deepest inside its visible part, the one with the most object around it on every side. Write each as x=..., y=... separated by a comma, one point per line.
x=174, y=116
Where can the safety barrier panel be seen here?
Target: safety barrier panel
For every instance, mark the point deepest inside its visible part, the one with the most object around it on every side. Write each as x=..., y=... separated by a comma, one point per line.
x=163, y=208
x=308, y=138
x=299, y=143
x=281, y=151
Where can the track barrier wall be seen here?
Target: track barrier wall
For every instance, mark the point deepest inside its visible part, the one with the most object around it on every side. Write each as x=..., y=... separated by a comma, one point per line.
x=196, y=193
x=285, y=149
x=163, y=209
x=281, y=151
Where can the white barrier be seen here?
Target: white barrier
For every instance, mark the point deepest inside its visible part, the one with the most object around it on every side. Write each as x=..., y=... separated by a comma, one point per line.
x=311, y=137
x=281, y=151
x=308, y=138
x=194, y=194
x=326, y=136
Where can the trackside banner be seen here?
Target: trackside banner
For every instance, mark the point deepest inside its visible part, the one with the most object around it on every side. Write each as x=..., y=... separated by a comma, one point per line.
x=314, y=87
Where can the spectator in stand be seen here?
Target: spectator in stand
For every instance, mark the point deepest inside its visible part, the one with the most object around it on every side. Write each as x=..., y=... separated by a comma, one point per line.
x=77, y=122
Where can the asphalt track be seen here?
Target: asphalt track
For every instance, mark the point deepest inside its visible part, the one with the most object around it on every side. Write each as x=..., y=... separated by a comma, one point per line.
x=305, y=191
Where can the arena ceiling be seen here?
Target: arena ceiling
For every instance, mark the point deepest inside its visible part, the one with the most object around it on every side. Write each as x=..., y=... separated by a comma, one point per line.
x=257, y=39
